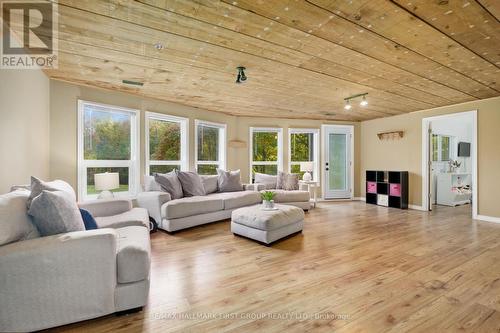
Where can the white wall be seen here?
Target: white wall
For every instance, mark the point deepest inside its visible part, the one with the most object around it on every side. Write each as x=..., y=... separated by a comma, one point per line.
x=24, y=126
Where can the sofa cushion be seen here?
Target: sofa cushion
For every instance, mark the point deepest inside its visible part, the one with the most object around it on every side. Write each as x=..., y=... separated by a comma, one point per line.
x=229, y=181
x=287, y=181
x=209, y=183
x=54, y=212
x=15, y=223
x=269, y=181
x=134, y=217
x=191, y=183
x=291, y=196
x=170, y=183
x=133, y=254
x=256, y=218
x=150, y=184
x=234, y=200
x=190, y=206
x=38, y=185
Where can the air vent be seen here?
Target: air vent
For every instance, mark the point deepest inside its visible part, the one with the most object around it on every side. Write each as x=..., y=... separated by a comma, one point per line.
x=133, y=83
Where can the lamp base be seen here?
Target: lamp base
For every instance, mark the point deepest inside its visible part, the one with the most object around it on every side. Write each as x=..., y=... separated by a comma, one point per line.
x=106, y=195
x=307, y=177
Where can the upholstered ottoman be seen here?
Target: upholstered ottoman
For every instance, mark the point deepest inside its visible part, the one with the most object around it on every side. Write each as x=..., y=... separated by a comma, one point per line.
x=267, y=226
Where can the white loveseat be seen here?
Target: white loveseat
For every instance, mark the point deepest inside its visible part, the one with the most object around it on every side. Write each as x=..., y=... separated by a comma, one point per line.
x=65, y=278
x=178, y=214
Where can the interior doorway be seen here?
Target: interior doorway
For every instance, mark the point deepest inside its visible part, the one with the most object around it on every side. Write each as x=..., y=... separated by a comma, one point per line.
x=449, y=161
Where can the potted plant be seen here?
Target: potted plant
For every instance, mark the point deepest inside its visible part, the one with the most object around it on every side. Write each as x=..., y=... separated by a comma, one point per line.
x=267, y=199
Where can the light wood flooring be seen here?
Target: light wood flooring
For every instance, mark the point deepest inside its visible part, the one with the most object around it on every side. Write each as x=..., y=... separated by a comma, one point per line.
x=356, y=267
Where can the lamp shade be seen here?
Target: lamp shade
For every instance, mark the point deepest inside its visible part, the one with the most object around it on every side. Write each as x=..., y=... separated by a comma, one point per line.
x=106, y=181
x=306, y=166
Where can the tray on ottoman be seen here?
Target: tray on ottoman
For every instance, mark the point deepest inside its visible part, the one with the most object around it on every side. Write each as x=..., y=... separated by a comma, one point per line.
x=267, y=226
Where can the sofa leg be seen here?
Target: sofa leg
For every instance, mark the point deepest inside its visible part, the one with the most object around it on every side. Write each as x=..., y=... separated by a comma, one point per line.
x=129, y=311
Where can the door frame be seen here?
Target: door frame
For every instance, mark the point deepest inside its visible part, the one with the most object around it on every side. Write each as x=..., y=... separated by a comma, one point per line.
x=426, y=158
x=324, y=128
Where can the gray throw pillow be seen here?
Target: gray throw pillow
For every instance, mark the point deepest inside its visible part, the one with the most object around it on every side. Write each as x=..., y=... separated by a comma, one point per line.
x=209, y=183
x=229, y=181
x=38, y=185
x=287, y=181
x=191, y=183
x=169, y=182
x=55, y=213
x=269, y=181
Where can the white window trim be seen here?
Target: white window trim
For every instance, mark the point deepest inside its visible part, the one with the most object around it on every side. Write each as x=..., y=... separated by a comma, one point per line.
x=222, y=144
x=184, y=123
x=132, y=164
x=315, y=132
x=279, y=162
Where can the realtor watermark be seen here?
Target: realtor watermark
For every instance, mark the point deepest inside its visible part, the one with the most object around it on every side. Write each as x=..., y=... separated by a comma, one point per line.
x=288, y=315
x=29, y=34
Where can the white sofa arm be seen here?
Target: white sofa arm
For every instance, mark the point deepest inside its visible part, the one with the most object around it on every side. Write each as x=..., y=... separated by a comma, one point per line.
x=153, y=201
x=50, y=281
x=106, y=207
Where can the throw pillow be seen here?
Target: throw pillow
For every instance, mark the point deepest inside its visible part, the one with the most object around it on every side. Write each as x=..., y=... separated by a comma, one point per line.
x=269, y=181
x=38, y=185
x=229, y=181
x=291, y=182
x=287, y=181
x=209, y=183
x=15, y=223
x=88, y=220
x=54, y=213
x=191, y=183
x=169, y=182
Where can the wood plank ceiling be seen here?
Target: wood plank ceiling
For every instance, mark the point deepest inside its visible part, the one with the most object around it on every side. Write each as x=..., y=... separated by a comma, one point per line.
x=302, y=57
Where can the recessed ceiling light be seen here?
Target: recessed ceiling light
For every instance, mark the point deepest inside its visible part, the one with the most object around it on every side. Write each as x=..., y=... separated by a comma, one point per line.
x=158, y=46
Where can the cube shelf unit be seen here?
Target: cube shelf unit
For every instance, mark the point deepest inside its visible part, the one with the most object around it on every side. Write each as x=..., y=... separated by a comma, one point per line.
x=387, y=188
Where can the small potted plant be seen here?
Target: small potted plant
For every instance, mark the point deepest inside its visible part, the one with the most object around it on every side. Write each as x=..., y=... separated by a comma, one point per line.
x=267, y=199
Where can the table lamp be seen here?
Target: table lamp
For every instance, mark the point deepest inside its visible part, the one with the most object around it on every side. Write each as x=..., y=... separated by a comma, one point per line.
x=307, y=167
x=105, y=182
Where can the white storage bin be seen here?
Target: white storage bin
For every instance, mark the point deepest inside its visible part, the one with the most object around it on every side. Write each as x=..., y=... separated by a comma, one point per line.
x=383, y=200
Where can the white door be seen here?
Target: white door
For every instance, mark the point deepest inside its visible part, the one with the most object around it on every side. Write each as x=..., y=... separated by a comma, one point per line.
x=337, y=143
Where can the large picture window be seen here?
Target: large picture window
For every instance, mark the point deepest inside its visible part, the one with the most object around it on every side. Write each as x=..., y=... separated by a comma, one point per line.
x=166, y=143
x=210, y=149
x=266, y=150
x=107, y=142
x=303, y=146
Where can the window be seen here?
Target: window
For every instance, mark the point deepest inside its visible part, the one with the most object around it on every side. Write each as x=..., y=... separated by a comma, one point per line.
x=107, y=142
x=303, y=146
x=266, y=150
x=210, y=147
x=441, y=148
x=166, y=143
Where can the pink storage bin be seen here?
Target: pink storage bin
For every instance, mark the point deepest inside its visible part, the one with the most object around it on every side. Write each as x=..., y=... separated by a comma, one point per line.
x=371, y=187
x=395, y=190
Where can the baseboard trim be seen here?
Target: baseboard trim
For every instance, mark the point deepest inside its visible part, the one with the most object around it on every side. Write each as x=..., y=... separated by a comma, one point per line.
x=359, y=198
x=487, y=218
x=415, y=207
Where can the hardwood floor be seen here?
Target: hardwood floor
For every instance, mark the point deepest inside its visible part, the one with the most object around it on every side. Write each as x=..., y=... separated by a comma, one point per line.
x=357, y=267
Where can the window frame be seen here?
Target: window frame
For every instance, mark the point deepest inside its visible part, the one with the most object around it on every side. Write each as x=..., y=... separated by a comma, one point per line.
x=222, y=144
x=315, y=132
x=184, y=148
x=279, y=162
x=133, y=164
x=451, y=145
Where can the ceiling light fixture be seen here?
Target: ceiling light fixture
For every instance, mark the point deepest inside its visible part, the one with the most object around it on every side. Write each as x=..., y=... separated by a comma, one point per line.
x=347, y=105
x=363, y=102
x=241, y=77
x=158, y=46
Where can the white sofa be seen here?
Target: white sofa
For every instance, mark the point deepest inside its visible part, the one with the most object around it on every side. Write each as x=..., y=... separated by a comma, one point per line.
x=65, y=278
x=178, y=214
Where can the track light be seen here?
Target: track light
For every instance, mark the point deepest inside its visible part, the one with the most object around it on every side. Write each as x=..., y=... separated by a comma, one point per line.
x=364, y=102
x=241, y=77
x=347, y=105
